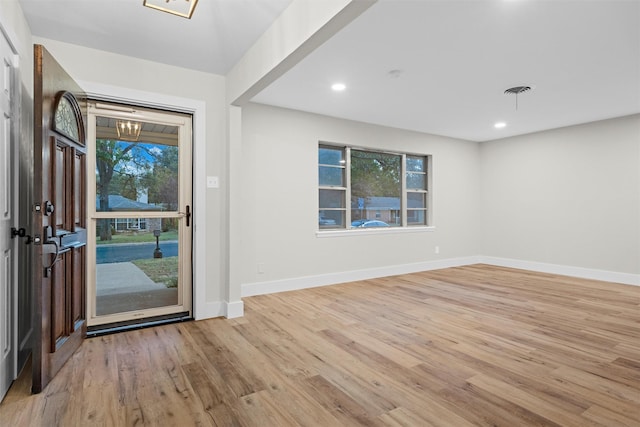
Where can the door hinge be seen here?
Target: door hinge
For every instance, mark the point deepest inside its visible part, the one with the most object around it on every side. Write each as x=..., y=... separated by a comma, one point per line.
x=20, y=232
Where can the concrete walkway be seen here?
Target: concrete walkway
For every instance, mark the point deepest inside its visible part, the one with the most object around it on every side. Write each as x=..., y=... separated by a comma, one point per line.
x=122, y=287
x=122, y=278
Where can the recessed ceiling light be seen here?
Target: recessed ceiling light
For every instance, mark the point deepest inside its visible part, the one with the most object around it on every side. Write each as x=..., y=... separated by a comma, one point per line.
x=500, y=125
x=338, y=87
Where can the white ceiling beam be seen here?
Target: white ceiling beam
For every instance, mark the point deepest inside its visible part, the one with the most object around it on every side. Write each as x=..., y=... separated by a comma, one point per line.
x=301, y=28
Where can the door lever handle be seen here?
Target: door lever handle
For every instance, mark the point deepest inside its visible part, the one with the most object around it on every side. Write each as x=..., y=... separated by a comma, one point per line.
x=47, y=270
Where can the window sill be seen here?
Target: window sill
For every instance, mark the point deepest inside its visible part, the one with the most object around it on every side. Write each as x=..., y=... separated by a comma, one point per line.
x=371, y=231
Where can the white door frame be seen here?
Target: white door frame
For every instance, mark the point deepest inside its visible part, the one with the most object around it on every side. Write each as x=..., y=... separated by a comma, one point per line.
x=98, y=91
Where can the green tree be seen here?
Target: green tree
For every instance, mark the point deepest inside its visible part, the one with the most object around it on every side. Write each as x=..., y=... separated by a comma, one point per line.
x=114, y=160
x=375, y=174
x=162, y=179
x=125, y=184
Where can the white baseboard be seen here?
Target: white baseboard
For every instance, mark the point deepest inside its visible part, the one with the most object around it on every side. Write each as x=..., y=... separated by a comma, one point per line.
x=208, y=310
x=234, y=309
x=565, y=270
x=261, y=288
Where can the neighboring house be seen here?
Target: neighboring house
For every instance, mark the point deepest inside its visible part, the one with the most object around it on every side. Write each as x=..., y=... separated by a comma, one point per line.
x=385, y=209
x=118, y=203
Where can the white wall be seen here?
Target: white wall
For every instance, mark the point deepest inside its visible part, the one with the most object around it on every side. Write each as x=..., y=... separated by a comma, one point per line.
x=279, y=214
x=567, y=197
x=14, y=25
x=141, y=76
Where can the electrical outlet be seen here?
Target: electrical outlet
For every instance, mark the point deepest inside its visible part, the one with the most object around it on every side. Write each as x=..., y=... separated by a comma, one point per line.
x=437, y=249
x=261, y=268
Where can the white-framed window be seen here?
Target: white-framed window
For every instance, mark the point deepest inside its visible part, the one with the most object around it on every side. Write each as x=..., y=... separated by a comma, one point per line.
x=332, y=167
x=416, y=183
x=129, y=224
x=362, y=188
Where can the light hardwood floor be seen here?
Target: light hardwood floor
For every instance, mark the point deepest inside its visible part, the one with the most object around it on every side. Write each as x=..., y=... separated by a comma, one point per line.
x=475, y=345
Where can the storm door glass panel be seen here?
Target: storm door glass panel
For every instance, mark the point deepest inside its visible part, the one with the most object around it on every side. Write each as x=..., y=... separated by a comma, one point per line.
x=136, y=175
x=133, y=271
x=139, y=224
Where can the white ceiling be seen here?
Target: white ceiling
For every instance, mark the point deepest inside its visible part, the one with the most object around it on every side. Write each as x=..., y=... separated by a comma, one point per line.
x=455, y=58
x=213, y=40
x=458, y=57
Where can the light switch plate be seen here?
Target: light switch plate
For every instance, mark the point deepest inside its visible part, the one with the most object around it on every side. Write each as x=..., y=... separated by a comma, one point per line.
x=212, y=182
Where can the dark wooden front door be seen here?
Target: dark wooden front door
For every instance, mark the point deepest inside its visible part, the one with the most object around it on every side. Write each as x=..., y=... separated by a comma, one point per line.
x=59, y=217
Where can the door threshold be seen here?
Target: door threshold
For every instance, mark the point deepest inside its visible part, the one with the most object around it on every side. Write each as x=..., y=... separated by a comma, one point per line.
x=112, y=328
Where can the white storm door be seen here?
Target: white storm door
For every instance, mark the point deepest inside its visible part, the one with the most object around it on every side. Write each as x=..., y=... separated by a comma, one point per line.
x=140, y=179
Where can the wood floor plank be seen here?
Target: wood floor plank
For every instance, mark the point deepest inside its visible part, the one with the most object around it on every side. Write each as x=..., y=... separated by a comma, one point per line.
x=242, y=381
x=403, y=417
x=345, y=409
x=376, y=343
x=473, y=345
x=598, y=383
x=258, y=409
x=609, y=418
x=482, y=407
x=554, y=412
x=101, y=406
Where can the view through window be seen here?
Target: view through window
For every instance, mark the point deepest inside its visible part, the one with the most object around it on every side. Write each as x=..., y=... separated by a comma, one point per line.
x=369, y=189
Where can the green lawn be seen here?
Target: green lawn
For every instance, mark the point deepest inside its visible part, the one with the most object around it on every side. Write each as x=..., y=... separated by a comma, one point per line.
x=138, y=237
x=160, y=270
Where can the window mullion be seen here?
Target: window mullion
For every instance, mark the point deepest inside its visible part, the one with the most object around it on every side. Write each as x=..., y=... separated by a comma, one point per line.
x=347, y=177
x=428, y=188
x=403, y=193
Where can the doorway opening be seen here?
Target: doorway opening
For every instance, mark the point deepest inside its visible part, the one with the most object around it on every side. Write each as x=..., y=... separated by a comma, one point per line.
x=139, y=185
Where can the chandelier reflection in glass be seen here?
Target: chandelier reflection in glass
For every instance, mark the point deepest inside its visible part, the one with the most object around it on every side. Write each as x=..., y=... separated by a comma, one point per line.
x=128, y=130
